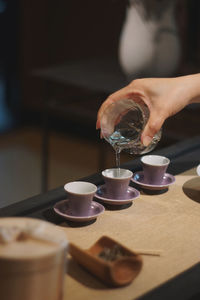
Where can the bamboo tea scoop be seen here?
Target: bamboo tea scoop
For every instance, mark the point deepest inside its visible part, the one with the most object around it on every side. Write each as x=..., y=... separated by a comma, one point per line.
x=109, y=260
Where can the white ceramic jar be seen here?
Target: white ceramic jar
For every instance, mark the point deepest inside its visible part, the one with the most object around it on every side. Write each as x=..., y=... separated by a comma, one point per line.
x=32, y=259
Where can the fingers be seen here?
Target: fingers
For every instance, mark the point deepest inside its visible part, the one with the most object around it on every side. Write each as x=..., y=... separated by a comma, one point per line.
x=153, y=125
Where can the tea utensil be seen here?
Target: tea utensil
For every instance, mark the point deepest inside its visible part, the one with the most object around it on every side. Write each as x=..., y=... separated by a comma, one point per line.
x=109, y=260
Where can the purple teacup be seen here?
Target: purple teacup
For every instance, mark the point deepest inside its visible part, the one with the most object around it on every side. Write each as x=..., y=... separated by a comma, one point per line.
x=154, y=168
x=80, y=195
x=117, y=182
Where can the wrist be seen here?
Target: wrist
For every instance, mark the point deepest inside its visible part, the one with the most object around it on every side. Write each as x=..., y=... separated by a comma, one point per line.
x=192, y=88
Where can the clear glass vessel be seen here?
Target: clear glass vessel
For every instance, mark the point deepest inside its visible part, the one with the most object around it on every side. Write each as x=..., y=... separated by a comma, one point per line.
x=122, y=124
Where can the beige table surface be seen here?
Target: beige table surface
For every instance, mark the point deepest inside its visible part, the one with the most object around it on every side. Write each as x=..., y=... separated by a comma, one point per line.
x=169, y=222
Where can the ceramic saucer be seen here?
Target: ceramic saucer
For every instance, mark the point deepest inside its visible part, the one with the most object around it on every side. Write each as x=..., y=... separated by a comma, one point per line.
x=131, y=194
x=61, y=208
x=138, y=178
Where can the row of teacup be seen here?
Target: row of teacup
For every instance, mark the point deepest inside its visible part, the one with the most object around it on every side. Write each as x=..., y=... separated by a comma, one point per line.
x=80, y=193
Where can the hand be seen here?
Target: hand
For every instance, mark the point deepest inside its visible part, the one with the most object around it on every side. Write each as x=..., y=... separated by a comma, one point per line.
x=163, y=96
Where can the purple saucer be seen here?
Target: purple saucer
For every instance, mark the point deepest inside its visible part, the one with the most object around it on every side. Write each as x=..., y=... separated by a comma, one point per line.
x=138, y=178
x=130, y=195
x=62, y=209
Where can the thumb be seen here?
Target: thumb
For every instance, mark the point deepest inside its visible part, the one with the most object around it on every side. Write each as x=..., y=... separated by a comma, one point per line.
x=152, y=127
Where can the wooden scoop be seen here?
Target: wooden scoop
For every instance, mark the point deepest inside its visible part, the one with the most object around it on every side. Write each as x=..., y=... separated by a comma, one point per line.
x=109, y=260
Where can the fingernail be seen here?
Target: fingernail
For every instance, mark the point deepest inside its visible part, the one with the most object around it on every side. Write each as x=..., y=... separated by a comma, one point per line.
x=147, y=140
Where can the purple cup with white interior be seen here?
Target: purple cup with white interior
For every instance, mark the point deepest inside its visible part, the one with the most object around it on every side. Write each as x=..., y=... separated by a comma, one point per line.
x=80, y=195
x=117, y=181
x=154, y=168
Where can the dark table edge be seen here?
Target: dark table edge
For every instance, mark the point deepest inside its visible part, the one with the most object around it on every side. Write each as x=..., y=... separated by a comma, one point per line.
x=185, y=286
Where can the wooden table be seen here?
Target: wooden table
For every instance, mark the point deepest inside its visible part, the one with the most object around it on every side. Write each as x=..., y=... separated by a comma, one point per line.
x=167, y=221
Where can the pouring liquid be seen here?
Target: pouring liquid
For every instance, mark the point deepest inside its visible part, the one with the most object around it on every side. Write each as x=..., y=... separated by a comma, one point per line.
x=120, y=139
x=117, y=159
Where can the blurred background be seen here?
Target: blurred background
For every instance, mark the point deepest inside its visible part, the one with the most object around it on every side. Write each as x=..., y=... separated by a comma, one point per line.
x=59, y=60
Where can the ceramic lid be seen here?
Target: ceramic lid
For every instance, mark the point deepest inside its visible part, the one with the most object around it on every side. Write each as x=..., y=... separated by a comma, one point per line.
x=28, y=244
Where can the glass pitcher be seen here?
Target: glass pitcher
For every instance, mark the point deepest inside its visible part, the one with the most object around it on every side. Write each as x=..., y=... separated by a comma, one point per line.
x=122, y=124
